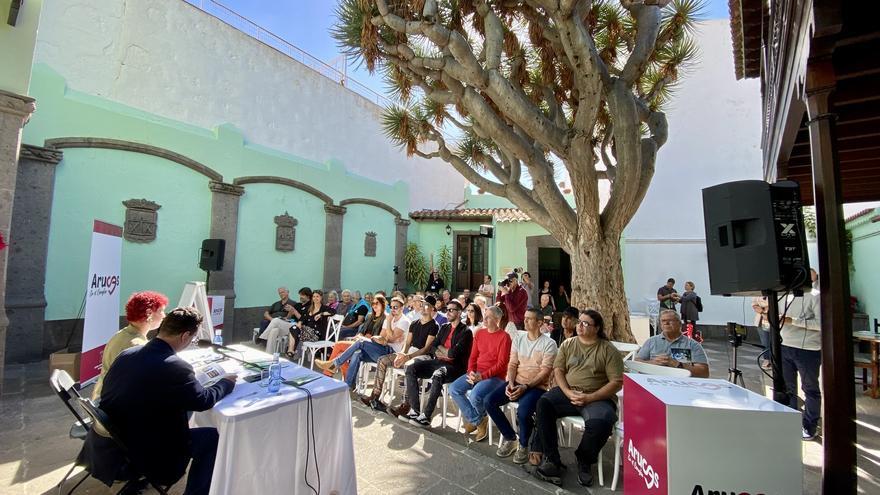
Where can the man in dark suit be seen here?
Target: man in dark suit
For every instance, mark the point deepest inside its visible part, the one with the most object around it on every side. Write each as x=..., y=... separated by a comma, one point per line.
x=147, y=396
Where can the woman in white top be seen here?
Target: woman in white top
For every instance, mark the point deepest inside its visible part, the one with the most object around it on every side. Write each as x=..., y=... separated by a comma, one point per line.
x=487, y=290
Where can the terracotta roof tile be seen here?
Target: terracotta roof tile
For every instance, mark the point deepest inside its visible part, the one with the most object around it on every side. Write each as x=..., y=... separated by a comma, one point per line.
x=859, y=214
x=473, y=214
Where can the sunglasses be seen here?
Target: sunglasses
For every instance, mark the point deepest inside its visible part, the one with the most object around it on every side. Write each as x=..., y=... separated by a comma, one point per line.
x=395, y=307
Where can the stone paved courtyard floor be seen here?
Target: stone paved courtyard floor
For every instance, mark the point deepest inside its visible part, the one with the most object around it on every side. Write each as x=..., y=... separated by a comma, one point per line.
x=35, y=450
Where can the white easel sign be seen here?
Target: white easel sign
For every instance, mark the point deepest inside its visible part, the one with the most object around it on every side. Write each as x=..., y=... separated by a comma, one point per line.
x=102, y=296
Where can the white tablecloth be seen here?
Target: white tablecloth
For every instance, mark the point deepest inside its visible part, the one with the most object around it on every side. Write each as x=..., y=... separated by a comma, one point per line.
x=263, y=446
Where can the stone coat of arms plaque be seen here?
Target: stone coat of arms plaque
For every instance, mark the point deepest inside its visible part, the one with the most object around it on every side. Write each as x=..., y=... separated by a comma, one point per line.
x=141, y=220
x=370, y=245
x=285, y=232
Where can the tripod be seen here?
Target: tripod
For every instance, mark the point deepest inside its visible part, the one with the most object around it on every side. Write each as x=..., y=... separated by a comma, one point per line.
x=734, y=374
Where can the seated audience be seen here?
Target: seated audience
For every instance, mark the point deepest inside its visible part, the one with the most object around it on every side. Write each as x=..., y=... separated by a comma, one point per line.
x=281, y=324
x=372, y=325
x=354, y=318
x=588, y=371
x=473, y=317
x=450, y=351
x=147, y=396
x=312, y=324
x=481, y=303
x=486, y=371
x=332, y=300
x=345, y=303
x=279, y=309
x=568, y=325
x=418, y=343
x=462, y=299
x=467, y=296
x=528, y=377
x=144, y=312
x=439, y=318
x=370, y=349
x=673, y=348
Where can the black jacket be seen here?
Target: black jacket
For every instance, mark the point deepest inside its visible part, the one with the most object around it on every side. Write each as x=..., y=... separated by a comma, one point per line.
x=147, y=394
x=462, y=340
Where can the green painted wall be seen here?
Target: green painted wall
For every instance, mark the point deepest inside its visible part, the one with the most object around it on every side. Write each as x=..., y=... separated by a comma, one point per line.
x=360, y=272
x=259, y=267
x=864, y=283
x=510, y=239
x=92, y=183
x=17, y=45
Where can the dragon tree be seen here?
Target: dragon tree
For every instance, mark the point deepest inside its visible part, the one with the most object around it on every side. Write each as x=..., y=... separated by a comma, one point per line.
x=514, y=94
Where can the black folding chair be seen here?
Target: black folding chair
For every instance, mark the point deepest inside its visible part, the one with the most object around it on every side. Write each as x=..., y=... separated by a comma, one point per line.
x=103, y=427
x=68, y=391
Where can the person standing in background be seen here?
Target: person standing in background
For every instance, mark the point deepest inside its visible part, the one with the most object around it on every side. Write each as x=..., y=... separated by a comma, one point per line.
x=667, y=295
x=691, y=306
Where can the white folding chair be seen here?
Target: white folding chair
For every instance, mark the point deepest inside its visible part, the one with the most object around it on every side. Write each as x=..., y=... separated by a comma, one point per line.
x=628, y=348
x=333, y=327
x=617, y=433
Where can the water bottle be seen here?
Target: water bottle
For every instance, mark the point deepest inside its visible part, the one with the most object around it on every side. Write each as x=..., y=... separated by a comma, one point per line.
x=277, y=354
x=218, y=337
x=274, y=378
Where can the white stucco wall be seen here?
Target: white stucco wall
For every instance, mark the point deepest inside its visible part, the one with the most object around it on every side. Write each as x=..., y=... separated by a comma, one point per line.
x=714, y=137
x=168, y=58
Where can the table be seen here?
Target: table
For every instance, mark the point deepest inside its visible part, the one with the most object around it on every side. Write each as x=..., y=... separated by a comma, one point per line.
x=263, y=446
x=699, y=435
x=874, y=340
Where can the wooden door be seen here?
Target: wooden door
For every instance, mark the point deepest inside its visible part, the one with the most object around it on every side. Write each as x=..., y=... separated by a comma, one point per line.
x=479, y=260
x=462, y=263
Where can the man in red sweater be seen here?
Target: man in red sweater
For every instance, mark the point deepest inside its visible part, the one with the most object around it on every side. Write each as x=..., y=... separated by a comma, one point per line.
x=515, y=299
x=487, y=369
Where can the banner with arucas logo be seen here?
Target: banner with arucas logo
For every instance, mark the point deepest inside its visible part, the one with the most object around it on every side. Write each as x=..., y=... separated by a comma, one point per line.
x=102, y=296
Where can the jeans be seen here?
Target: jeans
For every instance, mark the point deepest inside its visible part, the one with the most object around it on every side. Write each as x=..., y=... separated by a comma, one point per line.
x=528, y=402
x=360, y=351
x=599, y=418
x=347, y=333
x=806, y=363
x=473, y=407
x=764, y=335
x=439, y=372
x=203, y=448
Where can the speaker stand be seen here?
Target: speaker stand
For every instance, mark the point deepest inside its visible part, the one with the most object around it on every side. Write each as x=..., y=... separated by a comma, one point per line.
x=734, y=374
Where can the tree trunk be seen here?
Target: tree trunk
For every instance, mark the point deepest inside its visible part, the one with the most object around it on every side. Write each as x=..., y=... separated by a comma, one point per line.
x=597, y=282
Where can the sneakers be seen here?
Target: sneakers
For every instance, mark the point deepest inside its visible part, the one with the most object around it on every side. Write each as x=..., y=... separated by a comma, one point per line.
x=399, y=411
x=807, y=435
x=421, y=421
x=410, y=416
x=377, y=405
x=549, y=471
x=585, y=475
x=482, y=430
x=521, y=456
x=507, y=448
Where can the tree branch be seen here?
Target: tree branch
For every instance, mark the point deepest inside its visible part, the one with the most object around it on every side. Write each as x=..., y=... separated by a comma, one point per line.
x=648, y=26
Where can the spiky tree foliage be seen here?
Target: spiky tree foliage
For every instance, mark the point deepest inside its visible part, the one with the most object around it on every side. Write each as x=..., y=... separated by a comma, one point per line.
x=530, y=87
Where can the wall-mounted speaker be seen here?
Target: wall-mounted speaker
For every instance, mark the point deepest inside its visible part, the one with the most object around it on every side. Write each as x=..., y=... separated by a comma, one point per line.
x=211, y=257
x=487, y=231
x=755, y=237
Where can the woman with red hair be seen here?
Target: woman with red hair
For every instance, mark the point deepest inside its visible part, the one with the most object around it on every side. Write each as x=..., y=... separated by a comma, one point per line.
x=144, y=312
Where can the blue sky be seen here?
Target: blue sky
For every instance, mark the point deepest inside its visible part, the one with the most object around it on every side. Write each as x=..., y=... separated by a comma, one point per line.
x=306, y=24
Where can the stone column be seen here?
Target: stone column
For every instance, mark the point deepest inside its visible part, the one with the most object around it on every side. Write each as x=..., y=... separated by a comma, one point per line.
x=28, y=248
x=333, y=247
x=15, y=110
x=224, y=225
x=399, y=250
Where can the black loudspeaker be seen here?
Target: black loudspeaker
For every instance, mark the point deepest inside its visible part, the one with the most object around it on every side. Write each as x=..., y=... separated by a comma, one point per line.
x=211, y=257
x=487, y=231
x=755, y=237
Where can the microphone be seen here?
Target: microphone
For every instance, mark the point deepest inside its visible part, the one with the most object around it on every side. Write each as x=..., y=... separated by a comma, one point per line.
x=225, y=351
